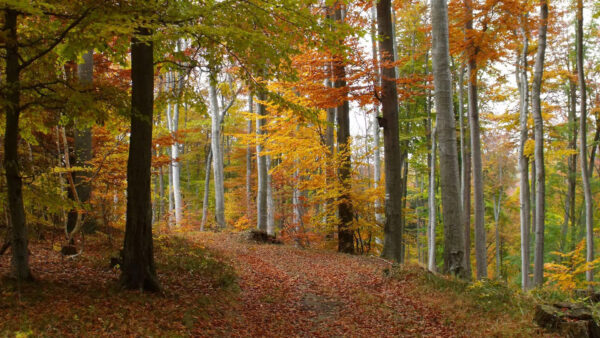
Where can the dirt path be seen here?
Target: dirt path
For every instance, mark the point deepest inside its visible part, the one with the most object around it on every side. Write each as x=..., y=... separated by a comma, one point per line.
x=295, y=292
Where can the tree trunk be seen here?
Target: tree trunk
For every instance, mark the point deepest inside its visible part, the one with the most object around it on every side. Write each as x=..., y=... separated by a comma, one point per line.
x=449, y=175
x=270, y=201
x=465, y=175
x=206, y=189
x=497, y=224
x=83, y=146
x=261, y=165
x=523, y=159
x=375, y=115
x=138, y=270
x=175, y=164
x=217, y=154
x=478, y=196
x=249, y=161
x=585, y=176
x=345, y=234
x=392, y=230
x=12, y=94
x=571, y=167
x=540, y=176
x=431, y=264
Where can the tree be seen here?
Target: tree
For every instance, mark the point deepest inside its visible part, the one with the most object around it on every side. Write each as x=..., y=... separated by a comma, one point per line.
x=20, y=252
x=585, y=175
x=345, y=234
x=217, y=152
x=138, y=270
x=475, y=136
x=392, y=230
x=525, y=212
x=449, y=176
x=540, y=176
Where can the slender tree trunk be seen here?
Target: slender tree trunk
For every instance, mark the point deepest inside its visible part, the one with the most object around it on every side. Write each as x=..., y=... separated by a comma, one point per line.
x=465, y=174
x=175, y=164
x=375, y=114
x=392, y=230
x=523, y=159
x=206, y=189
x=161, y=191
x=540, y=176
x=449, y=174
x=270, y=200
x=249, y=161
x=431, y=264
x=217, y=154
x=20, y=252
x=83, y=144
x=478, y=196
x=345, y=234
x=585, y=176
x=138, y=270
x=261, y=159
x=572, y=169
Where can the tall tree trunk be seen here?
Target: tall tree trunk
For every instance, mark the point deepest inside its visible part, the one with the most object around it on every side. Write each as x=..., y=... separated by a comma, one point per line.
x=270, y=200
x=175, y=164
x=431, y=264
x=571, y=167
x=524, y=159
x=585, y=176
x=249, y=160
x=261, y=165
x=12, y=94
x=82, y=147
x=345, y=234
x=392, y=230
x=206, y=189
x=449, y=175
x=217, y=153
x=540, y=175
x=478, y=196
x=375, y=114
x=138, y=270
x=465, y=174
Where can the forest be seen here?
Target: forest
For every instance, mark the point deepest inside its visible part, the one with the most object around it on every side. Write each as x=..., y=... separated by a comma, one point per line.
x=299, y=168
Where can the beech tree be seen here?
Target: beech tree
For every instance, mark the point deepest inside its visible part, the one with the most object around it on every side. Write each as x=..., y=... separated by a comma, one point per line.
x=446, y=131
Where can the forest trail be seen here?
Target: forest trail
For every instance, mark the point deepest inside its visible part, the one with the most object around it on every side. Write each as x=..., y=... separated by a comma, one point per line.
x=299, y=292
x=221, y=285
x=305, y=292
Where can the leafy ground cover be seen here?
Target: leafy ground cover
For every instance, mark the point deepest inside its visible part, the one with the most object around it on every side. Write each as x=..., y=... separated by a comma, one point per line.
x=220, y=285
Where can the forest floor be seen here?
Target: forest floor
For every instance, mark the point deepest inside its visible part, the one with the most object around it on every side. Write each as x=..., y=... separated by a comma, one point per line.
x=221, y=285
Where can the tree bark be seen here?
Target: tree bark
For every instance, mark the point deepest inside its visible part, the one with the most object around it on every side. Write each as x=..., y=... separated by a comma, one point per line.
x=431, y=264
x=375, y=114
x=217, y=153
x=475, y=136
x=585, y=176
x=206, y=189
x=345, y=234
x=175, y=164
x=392, y=230
x=19, y=241
x=261, y=165
x=449, y=175
x=540, y=175
x=524, y=159
x=249, y=160
x=138, y=270
x=465, y=174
